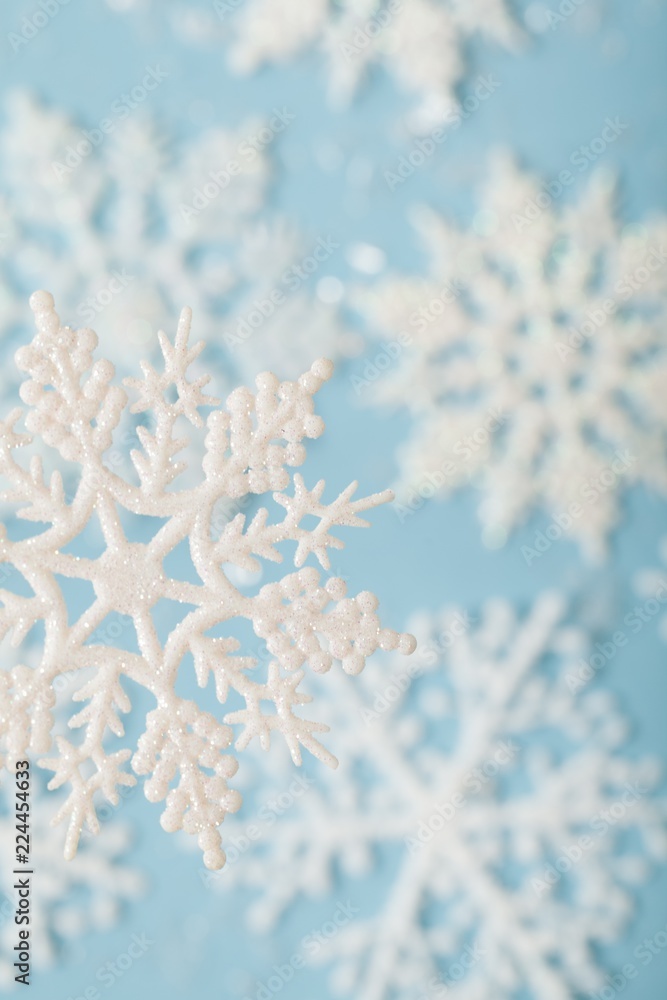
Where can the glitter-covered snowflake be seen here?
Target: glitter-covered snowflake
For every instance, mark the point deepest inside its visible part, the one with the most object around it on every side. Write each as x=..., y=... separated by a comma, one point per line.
x=501, y=801
x=533, y=358
x=127, y=230
x=68, y=900
x=419, y=43
x=305, y=621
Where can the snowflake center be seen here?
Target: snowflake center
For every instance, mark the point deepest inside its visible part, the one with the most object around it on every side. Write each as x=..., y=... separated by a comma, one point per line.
x=129, y=577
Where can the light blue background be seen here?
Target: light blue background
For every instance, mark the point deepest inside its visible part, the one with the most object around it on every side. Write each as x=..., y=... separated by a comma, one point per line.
x=553, y=98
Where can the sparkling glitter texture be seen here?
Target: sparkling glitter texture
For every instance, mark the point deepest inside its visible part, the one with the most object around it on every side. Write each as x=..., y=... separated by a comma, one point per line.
x=303, y=619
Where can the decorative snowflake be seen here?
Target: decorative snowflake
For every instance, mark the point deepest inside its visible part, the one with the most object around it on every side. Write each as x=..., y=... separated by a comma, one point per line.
x=67, y=900
x=74, y=409
x=502, y=802
x=136, y=226
x=533, y=358
x=420, y=43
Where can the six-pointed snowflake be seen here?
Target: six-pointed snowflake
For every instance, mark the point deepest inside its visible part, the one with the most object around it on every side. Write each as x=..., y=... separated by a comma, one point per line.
x=533, y=359
x=500, y=799
x=305, y=620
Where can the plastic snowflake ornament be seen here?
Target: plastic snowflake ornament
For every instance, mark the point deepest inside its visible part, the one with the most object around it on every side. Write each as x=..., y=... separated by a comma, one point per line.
x=305, y=621
x=532, y=358
x=516, y=827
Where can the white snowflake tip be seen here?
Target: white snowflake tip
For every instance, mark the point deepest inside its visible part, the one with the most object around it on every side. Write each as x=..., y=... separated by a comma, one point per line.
x=305, y=620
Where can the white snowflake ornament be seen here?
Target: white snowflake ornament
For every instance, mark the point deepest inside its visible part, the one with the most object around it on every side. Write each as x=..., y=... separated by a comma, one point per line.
x=532, y=359
x=511, y=827
x=305, y=621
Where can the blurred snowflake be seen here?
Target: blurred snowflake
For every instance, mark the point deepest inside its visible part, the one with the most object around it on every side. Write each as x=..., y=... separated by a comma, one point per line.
x=68, y=900
x=513, y=828
x=126, y=228
x=533, y=359
x=420, y=42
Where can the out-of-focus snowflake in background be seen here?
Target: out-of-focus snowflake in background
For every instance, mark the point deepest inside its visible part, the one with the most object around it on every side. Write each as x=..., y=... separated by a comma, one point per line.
x=489, y=821
x=68, y=900
x=500, y=793
x=128, y=231
x=532, y=359
x=419, y=43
